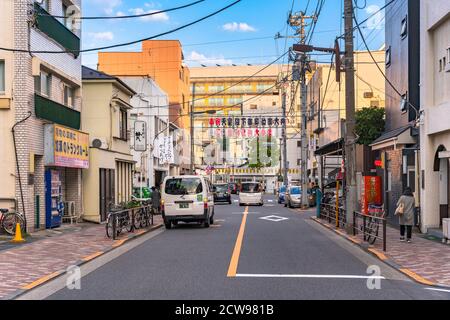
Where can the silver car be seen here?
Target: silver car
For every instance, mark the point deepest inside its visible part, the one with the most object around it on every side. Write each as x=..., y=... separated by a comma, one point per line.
x=293, y=197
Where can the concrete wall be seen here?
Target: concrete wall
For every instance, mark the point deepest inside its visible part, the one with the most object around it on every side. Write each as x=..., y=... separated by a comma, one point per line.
x=435, y=102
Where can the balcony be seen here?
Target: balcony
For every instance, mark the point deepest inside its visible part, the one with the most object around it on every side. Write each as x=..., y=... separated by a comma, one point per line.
x=55, y=112
x=56, y=30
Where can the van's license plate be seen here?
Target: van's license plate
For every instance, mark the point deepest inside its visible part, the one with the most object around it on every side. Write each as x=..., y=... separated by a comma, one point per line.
x=184, y=205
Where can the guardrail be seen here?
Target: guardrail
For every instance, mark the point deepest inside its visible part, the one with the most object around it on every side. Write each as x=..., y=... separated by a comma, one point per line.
x=370, y=227
x=129, y=220
x=328, y=212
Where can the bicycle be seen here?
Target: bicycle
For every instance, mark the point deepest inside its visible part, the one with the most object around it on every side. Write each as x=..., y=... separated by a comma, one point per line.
x=9, y=220
x=373, y=222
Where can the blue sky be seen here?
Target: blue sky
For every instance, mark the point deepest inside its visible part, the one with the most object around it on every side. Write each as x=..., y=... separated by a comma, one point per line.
x=249, y=19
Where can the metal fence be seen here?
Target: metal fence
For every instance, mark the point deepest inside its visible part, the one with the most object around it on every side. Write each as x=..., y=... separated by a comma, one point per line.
x=128, y=220
x=337, y=217
x=369, y=226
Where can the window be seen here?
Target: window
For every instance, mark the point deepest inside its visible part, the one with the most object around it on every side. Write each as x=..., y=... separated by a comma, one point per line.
x=183, y=186
x=44, y=4
x=69, y=94
x=43, y=84
x=2, y=76
x=404, y=28
x=123, y=125
x=388, y=57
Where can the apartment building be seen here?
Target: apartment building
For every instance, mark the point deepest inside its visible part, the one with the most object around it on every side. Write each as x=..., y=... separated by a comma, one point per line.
x=40, y=98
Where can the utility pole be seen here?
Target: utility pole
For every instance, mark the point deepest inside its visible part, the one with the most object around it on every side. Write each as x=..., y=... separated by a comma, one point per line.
x=350, y=139
x=192, y=129
x=304, y=141
x=299, y=21
x=284, y=134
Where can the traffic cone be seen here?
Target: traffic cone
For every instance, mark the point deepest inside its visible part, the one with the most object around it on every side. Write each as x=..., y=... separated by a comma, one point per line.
x=18, y=236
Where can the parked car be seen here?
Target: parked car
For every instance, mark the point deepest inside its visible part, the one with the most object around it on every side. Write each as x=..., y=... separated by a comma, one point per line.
x=233, y=187
x=251, y=193
x=293, y=197
x=187, y=199
x=146, y=193
x=221, y=193
x=281, y=194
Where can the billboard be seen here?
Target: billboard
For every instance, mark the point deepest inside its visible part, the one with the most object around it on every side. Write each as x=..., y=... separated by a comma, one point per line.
x=65, y=147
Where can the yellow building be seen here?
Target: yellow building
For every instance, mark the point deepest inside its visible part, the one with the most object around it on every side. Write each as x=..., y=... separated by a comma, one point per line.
x=326, y=106
x=106, y=106
x=231, y=91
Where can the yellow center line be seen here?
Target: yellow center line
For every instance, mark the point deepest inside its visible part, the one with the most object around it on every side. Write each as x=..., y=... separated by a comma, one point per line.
x=232, y=269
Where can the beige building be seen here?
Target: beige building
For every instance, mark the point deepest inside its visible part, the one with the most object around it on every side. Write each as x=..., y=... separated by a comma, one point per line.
x=106, y=111
x=326, y=108
x=239, y=92
x=44, y=90
x=435, y=105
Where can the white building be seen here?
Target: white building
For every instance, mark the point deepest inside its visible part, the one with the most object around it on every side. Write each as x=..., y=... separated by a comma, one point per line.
x=435, y=104
x=151, y=105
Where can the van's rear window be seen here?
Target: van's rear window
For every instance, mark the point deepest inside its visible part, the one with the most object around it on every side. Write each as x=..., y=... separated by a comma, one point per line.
x=251, y=188
x=181, y=186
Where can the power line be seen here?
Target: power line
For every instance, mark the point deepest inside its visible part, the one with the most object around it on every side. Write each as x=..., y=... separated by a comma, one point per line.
x=123, y=17
x=130, y=42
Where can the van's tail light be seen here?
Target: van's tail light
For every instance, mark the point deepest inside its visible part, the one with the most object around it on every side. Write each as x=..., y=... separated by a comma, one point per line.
x=162, y=205
x=205, y=203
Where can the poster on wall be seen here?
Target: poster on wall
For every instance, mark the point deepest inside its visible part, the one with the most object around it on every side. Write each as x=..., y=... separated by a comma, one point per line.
x=65, y=147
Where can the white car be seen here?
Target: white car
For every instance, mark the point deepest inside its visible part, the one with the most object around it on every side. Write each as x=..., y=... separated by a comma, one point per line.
x=251, y=193
x=187, y=199
x=293, y=197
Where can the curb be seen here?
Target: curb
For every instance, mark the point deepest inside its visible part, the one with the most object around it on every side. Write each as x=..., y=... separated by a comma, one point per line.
x=43, y=280
x=382, y=257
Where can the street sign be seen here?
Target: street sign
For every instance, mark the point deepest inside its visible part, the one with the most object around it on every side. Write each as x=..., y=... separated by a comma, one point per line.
x=140, y=136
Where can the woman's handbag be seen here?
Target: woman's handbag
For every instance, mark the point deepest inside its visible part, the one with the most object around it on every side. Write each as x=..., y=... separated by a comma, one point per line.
x=400, y=209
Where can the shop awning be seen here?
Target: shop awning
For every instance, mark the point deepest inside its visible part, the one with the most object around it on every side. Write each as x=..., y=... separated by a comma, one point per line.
x=400, y=136
x=332, y=149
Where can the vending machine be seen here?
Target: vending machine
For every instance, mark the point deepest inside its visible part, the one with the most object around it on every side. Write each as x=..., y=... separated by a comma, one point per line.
x=54, y=205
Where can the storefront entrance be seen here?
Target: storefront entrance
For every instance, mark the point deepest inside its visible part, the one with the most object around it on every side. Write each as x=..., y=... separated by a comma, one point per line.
x=441, y=164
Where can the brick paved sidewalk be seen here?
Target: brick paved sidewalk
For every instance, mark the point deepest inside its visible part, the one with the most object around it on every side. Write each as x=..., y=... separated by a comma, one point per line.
x=424, y=260
x=25, y=266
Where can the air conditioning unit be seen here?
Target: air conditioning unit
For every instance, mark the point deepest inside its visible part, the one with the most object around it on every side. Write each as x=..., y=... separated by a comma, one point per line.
x=99, y=143
x=69, y=208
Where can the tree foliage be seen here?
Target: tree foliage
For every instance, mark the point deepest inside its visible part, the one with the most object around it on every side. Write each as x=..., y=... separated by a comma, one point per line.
x=370, y=123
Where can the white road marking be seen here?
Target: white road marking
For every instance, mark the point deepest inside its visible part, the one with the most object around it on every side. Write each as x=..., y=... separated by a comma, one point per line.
x=436, y=289
x=247, y=212
x=270, y=201
x=274, y=218
x=316, y=276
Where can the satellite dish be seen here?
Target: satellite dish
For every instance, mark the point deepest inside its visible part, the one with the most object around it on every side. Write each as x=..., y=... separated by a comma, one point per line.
x=97, y=143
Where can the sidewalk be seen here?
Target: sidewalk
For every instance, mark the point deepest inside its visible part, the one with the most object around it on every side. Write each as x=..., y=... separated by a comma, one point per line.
x=48, y=254
x=426, y=261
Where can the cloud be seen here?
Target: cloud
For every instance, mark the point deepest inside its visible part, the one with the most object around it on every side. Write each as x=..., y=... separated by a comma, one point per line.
x=107, y=5
x=108, y=35
x=200, y=58
x=156, y=17
x=241, y=26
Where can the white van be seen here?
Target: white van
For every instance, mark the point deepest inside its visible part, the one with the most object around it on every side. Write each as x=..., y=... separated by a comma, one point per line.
x=187, y=199
x=251, y=193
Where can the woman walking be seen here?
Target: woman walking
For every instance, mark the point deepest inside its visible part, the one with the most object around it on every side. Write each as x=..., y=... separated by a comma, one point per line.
x=405, y=210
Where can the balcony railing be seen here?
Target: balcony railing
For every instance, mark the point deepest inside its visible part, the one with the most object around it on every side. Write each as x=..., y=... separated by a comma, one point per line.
x=55, y=112
x=56, y=30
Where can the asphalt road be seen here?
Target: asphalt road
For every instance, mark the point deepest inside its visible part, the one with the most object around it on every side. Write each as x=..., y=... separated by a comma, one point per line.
x=293, y=258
